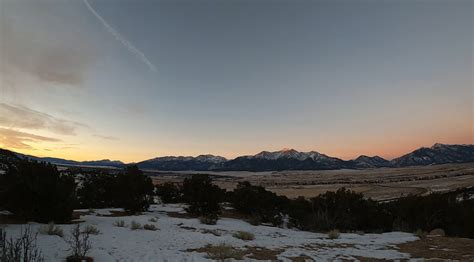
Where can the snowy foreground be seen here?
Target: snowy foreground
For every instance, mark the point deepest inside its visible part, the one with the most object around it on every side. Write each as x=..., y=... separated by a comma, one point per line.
x=175, y=238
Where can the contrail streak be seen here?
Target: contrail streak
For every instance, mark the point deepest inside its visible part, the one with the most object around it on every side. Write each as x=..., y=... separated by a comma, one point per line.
x=120, y=38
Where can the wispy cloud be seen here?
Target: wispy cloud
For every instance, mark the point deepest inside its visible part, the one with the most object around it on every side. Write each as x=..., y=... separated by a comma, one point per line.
x=11, y=138
x=25, y=50
x=66, y=146
x=107, y=137
x=15, y=116
x=120, y=38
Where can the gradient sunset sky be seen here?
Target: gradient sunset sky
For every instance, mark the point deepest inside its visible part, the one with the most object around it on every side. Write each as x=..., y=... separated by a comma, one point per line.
x=132, y=80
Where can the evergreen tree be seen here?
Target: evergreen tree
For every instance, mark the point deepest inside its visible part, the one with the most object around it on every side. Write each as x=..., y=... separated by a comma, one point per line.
x=37, y=191
x=169, y=193
x=257, y=202
x=202, y=196
x=133, y=190
x=96, y=190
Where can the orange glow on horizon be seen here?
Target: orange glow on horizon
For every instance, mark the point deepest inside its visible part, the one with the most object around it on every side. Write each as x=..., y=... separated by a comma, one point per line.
x=346, y=153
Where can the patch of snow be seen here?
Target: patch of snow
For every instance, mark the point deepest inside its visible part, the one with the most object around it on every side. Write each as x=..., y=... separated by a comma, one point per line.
x=176, y=235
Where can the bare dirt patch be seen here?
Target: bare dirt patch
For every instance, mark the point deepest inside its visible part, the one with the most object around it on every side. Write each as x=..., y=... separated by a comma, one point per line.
x=231, y=213
x=318, y=246
x=302, y=258
x=461, y=249
x=220, y=252
x=225, y=251
x=262, y=253
x=77, y=214
x=371, y=259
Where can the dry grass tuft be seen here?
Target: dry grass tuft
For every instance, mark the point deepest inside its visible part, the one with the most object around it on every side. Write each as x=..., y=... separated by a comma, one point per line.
x=91, y=229
x=244, y=235
x=150, y=227
x=440, y=249
x=438, y=232
x=208, y=220
x=420, y=233
x=119, y=223
x=223, y=251
x=135, y=225
x=262, y=253
x=334, y=234
x=51, y=229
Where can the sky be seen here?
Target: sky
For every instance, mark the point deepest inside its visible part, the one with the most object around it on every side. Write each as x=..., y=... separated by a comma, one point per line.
x=133, y=80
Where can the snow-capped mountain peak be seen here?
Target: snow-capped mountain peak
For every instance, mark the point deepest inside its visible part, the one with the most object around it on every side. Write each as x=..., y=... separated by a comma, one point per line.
x=211, y=158
x=289, y=153
x=285, y=159
x=284, y=153
x=364, y=161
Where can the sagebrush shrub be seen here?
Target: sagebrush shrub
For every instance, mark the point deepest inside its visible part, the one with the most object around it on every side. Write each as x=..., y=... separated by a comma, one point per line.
x=208, y=220
x=334, y=234
x=23, y=248
x=79, y=243
x=150, y=227
x=51, y=229
x=244, y=235
x=135, y=225
x=119, y=223
x=421, y=233
x=91, y=229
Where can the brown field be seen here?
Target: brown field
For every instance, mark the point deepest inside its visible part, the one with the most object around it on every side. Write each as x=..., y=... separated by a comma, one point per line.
x=440, y=249
x=379, y=183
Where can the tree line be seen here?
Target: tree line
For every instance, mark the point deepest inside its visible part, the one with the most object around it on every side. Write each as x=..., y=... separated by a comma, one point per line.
x=39, y=192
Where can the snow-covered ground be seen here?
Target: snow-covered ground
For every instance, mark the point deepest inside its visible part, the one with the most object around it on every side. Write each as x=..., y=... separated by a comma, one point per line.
x=175, y=236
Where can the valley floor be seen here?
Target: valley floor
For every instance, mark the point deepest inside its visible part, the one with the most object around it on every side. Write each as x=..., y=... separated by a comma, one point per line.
x=180, y=238
x=376, y=183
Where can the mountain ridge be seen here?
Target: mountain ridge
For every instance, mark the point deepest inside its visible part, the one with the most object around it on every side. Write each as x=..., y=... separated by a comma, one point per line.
x=60, y=161
x=285, y=159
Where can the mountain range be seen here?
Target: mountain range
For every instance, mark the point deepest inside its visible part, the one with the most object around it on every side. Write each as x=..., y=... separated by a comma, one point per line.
x=286, y=159
x=7, y=156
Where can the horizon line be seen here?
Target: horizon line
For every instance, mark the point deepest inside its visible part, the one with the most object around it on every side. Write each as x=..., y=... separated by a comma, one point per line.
x=227, y=159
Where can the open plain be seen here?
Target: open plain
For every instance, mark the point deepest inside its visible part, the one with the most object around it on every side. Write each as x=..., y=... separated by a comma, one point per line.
x=377, y=183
